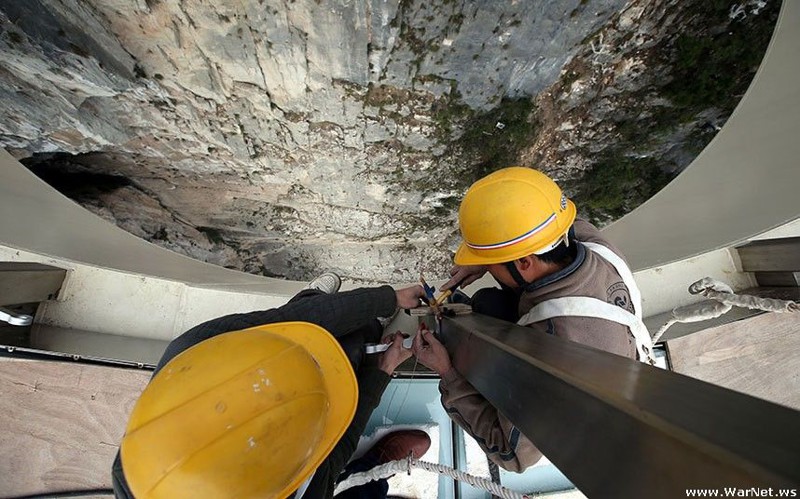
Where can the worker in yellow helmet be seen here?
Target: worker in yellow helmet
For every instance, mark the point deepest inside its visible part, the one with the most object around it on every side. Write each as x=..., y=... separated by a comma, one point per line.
x=558, y=275
x=263, y=404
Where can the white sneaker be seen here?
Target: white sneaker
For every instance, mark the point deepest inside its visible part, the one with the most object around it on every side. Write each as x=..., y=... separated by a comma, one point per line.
x=329, y=283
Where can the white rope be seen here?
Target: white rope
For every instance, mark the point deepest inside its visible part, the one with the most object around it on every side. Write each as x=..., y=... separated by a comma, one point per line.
x=709, y=287
x=405, y=465
x=722, y=299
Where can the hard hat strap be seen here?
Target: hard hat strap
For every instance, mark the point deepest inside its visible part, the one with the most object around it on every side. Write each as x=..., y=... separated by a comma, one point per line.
x=512, y=269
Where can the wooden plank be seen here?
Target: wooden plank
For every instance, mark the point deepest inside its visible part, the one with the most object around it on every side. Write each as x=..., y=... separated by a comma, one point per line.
x=757, y=356
x=62, y=423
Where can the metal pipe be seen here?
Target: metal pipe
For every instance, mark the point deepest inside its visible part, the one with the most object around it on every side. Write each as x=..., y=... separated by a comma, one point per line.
x=619, y=428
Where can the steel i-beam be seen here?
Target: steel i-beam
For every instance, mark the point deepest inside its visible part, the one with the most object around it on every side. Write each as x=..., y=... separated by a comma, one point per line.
x=619, y=428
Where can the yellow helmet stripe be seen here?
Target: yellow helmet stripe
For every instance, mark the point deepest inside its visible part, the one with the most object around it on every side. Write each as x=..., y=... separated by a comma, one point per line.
x=516, y=240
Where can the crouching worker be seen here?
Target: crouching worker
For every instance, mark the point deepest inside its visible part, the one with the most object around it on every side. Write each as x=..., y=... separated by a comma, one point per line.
x=262, y=404
x=558, y=275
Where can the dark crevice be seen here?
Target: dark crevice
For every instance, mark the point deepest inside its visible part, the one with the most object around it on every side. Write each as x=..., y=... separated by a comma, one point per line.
x=67, y=174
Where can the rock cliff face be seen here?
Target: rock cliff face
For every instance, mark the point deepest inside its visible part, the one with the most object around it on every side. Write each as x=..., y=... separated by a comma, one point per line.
x=284, y=137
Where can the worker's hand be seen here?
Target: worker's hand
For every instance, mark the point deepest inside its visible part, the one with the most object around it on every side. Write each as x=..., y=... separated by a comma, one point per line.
x=430, y=352
x=464, y=274
x=409, y=297
x=395, y=355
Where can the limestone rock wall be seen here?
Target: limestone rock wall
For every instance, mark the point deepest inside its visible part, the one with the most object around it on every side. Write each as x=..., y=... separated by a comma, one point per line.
x=286, y=137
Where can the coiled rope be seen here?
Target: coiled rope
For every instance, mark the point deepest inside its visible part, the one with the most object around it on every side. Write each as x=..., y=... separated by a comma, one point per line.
x=722, y=299
x=405, y=465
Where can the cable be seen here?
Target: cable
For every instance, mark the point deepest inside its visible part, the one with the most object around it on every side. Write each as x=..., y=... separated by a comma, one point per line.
x=386, y=419
x=721, y=300
x=408, y=389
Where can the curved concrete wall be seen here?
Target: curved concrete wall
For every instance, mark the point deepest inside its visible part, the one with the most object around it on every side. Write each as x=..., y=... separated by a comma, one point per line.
x=744, y=183
x=37, y=218
x=117, y=283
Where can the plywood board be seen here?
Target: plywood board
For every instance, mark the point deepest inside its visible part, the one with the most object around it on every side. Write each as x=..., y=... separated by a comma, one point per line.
x=758, y=356
x=62, y=423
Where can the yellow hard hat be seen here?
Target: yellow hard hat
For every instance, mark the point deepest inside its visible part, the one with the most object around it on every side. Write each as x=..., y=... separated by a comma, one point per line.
x=512, y=213
x=249, y=413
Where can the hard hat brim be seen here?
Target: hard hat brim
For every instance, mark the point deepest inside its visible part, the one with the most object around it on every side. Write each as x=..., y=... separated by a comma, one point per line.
x=469, y=256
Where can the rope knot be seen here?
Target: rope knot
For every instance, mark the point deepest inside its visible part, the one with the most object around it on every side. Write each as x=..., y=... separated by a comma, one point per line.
x=706, y=284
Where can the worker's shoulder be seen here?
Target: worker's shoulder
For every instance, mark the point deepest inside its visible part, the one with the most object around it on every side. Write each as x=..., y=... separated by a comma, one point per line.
x=585, y=232
x=595, y=332
x=590, y=275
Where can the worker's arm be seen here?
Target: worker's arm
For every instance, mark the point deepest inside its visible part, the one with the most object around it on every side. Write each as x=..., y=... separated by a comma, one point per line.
x=373, y=378
x=371, y=384
x=498, y=437
x=338, y=313
x=502, y=442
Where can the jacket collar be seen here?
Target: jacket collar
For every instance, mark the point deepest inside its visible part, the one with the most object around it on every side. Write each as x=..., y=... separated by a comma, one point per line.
x=580, y=256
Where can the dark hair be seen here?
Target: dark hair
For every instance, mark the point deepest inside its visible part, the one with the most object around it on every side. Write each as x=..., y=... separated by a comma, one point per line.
x=561, y=254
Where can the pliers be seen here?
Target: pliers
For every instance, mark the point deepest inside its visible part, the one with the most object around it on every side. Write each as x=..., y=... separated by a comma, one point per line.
x=428, y=298
x=436, y=304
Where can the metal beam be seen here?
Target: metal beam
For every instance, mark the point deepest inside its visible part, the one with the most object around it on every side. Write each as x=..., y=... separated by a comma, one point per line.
x=22, y=282
x=771, y=255
x=787, y=279
x=619, y=428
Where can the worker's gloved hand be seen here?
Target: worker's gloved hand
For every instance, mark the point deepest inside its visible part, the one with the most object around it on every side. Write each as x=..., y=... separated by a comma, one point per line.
x=461, y=275
x=430, y=351
x=409, y=297
x=395, y=355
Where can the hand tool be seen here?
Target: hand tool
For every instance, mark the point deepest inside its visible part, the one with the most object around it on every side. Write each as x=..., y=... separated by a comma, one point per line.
x=428, y=290
x=440, y=300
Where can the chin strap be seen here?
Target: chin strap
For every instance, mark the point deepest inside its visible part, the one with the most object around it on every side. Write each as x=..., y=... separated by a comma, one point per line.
x=512, y=269
x=568, y=239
